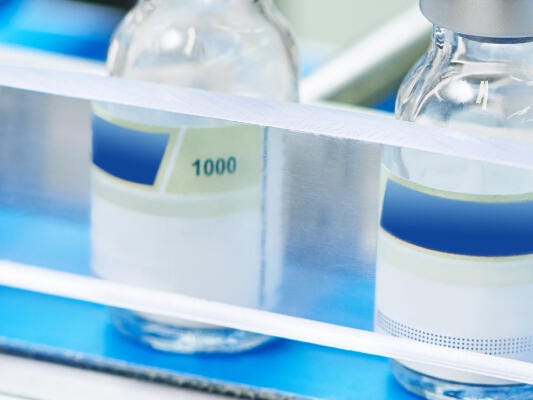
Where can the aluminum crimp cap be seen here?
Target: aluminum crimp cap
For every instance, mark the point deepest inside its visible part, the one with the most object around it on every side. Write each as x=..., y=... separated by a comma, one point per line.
x=488, y=18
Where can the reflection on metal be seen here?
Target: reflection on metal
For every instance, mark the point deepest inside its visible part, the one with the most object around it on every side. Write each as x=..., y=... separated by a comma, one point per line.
x=372, y=67
x=27, y=379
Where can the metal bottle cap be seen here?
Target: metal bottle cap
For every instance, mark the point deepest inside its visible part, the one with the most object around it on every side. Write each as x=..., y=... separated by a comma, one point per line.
x=488, y=18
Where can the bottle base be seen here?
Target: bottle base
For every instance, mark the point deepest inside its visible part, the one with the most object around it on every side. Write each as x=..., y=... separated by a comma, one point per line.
x=185, y=340
x=438, y=389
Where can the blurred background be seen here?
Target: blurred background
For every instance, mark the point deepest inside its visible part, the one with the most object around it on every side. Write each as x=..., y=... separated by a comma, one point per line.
x=326, y=31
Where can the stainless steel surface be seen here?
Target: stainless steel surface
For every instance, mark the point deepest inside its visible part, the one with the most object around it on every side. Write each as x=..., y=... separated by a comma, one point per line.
x=23, y=378
x=489, y=18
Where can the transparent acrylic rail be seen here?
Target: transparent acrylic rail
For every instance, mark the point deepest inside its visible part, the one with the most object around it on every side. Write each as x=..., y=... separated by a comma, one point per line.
x=330, y=208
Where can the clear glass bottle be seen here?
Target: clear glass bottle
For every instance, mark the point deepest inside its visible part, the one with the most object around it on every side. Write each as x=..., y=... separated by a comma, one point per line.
x=184, y=204
x=455, y=255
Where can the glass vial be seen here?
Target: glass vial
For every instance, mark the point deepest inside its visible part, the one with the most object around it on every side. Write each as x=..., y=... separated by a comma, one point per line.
x=184, y=204
x=455, y=255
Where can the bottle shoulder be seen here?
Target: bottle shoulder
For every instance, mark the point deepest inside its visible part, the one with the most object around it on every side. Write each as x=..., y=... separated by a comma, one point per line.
x=490, y=98
x=451, y=92
x=472, y=85
x=248, y=54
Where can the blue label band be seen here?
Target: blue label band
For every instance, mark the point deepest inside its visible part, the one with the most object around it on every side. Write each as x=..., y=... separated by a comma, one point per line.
x=463, y=227
x=127, y=154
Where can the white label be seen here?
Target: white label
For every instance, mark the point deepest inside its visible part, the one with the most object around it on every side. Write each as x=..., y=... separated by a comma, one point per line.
x=435, y=286
x=181, y=210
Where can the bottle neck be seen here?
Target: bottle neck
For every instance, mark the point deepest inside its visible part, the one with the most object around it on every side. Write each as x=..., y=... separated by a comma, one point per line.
x=482, y=49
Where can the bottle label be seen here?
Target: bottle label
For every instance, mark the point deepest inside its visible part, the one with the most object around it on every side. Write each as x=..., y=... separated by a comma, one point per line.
x=179, y=209
x=456, y=270
x=209, y=163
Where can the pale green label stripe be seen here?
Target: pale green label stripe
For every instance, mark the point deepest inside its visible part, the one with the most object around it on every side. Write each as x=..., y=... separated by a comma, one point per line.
x=216, y=160
x=173, y=206
x=483, y=198
x=453, y=269
x=100, y=112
